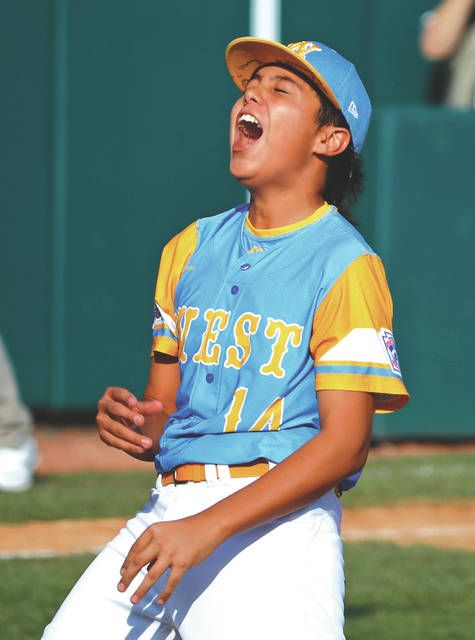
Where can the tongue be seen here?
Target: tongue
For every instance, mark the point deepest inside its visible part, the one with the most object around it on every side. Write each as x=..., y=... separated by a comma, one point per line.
x=241, y=140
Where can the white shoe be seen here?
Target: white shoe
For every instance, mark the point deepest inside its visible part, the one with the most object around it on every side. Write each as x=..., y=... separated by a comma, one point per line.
x=17, y=466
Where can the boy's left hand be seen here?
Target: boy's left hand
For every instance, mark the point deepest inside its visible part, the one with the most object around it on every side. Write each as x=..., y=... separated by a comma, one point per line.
x=178, y=545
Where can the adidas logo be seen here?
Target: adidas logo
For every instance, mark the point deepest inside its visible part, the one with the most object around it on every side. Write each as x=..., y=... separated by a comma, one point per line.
x=255, y=249
x=353, y=110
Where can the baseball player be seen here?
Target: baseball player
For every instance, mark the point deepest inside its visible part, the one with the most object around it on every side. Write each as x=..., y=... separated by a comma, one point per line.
x=272, y=348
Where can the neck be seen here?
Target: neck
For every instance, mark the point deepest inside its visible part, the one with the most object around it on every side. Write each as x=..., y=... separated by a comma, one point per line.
x=272, y=208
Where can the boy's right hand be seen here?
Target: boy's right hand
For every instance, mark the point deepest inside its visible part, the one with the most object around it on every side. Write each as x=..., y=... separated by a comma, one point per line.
x=119, y=420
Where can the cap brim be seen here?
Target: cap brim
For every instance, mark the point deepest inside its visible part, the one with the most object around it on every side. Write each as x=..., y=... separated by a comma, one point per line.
x=245, y=55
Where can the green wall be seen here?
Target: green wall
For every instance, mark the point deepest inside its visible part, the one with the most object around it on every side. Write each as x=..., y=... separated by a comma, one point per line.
x=115, y=128
x=114, y=131
x=26, y=51
x=419, y=206
x=379, y=36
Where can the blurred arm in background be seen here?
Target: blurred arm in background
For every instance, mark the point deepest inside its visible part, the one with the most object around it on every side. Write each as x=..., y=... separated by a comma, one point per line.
x=444, y=28
x=448, y=34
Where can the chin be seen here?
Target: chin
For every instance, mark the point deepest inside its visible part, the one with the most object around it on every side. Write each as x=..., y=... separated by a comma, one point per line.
x=242, y=171
x=246, y=181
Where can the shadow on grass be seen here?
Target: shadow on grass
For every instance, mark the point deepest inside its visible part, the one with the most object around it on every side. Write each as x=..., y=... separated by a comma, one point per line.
x=359, y=611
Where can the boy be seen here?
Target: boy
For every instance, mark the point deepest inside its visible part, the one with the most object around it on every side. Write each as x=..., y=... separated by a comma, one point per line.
x=272, y=349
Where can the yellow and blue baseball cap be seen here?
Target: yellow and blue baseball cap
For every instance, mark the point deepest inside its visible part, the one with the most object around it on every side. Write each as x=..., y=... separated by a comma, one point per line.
x=332, y=73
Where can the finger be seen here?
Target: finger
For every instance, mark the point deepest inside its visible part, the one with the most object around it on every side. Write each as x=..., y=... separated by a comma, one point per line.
x=119, y=410
x=111, y=432
x=159, y=568
x=132, y=570
x=141, y=553
x=120, y=394
x=149, y=407
x=174, y=579
x=121, y=444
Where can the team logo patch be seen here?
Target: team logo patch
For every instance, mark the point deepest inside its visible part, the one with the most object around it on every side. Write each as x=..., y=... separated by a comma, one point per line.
x=157, y=314
x=389, y=343
x=302, y=49
x=353, y=110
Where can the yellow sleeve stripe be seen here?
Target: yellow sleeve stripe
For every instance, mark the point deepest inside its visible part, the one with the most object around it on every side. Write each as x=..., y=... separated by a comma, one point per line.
x=357, y=369
x=357, y=306
x=174, y=258
x=390, y=393
x=164, y=344
x=352, y=363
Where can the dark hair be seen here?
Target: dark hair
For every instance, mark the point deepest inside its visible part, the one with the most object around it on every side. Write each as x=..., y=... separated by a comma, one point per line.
x=344, y=181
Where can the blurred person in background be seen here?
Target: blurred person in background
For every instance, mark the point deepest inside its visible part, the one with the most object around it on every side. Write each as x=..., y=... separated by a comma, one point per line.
x=448, y=34
x=18, y=450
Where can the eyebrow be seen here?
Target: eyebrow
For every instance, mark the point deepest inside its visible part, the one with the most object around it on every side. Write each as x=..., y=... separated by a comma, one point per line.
x=275, y=76
x=287, y=79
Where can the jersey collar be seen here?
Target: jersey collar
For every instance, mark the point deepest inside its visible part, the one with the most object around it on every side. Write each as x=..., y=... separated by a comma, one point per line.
x=289, y=228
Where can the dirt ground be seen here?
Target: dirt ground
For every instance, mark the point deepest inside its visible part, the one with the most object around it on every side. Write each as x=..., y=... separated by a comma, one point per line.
x=91, y=454
x=447, y=525
x=85, y=450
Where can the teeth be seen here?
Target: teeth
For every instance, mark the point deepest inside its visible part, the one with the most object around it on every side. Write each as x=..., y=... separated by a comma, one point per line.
x=246, y=117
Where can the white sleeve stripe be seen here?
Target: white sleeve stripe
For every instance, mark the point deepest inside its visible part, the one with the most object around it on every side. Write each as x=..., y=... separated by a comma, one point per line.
x=360, y=345
x=167, y=319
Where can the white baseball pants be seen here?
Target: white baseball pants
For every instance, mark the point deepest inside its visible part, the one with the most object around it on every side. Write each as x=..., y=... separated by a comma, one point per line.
x=279, y=581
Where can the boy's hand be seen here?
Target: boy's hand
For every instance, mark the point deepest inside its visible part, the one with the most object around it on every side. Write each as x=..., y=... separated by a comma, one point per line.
x=177, y=545
x=120, y=417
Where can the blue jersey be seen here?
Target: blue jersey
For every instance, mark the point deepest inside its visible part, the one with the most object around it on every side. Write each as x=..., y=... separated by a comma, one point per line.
x=260, y=321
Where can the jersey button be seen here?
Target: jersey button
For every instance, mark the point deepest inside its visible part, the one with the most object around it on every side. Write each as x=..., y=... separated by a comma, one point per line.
x=234, y=289
x=245, y=266
x=209, y=377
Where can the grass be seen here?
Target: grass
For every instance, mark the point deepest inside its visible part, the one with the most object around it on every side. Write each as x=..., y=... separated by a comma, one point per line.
x=415, y=593
x=393, y=593
x=116, y=494
x=89, y=495
x=32, y=590
x=426, y=477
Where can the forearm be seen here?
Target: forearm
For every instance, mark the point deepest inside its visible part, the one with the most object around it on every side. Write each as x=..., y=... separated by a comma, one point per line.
x=339, y=450
x=135, y=426
x=445, y=28
x=152, y=428
x=303, y=477
x=162, y=385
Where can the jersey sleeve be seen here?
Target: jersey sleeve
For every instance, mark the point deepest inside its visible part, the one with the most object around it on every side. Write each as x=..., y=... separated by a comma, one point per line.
x=175, y=255
x=352, y=342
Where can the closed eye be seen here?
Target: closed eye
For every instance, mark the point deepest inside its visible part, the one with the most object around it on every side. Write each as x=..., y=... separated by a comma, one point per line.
x=280, y=90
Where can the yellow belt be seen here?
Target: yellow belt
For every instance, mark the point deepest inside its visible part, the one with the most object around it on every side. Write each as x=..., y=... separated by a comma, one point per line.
x=195, y=472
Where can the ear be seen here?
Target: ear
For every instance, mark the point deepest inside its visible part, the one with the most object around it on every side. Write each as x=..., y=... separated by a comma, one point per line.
x=331, y=140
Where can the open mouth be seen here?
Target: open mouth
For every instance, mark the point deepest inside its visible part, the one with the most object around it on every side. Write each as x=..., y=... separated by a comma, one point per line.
x=250, y=126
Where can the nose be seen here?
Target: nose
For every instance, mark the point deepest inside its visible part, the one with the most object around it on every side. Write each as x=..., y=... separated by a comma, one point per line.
x=251, y=94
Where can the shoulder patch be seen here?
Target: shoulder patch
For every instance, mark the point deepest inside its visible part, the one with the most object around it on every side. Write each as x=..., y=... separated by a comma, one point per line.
x=389, y=344
x=157, y=314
